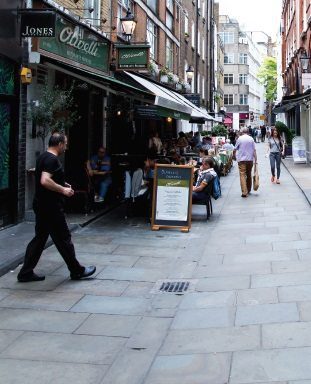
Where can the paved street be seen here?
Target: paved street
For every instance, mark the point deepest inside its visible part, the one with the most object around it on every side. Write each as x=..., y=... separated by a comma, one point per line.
x=246, y=317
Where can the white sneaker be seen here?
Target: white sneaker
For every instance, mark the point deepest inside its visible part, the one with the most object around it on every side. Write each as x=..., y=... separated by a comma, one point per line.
x=100, y=199
x=96, y=197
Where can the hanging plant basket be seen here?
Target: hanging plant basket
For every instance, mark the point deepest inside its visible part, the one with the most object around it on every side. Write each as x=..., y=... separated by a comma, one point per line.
x=164, y=79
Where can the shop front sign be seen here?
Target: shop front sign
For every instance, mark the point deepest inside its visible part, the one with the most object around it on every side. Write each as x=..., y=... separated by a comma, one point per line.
x=132, y=57
x=195, y=99
x=244, y=116
x=38, y=23
x=155, y=112
x=77, y=44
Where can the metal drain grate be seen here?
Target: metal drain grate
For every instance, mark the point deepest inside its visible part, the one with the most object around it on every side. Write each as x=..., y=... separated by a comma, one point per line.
x=175, y=287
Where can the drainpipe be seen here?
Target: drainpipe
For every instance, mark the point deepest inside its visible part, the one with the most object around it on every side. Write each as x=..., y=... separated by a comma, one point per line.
x=212, y=71
x=196, y=47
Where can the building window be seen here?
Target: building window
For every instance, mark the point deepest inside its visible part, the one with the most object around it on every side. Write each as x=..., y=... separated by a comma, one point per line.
x=227, y=37
x=169, y=54
x=243, y=99
x=199, y=43
x=186, y=24
x=170, y=6
x=243, y=58
x=242, y=78
x=153, y=4
x=169, y=21
x=228, y=78
x=229, y=58
x=203, y=49
x=228, y=99
x=152, y=38
x=192, y=36
x=92, y=18
x=199, y=83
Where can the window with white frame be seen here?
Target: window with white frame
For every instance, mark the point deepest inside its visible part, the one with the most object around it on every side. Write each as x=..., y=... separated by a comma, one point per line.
x=229, y=58
x=186, y=22
x=93, y=17
x=243, y=58
x=153, y=5
x=203, y=8
x=199, y=83
x=199, y=43
x=203, y=49
x=243, y=99
x=170, y=5
x=228, y=78
x=243, y=78
x=192, y=35
x=169, y=21
x=169, y=60
x=203, y=87
x=227, y=37
x=228, y=99
x=152, y=38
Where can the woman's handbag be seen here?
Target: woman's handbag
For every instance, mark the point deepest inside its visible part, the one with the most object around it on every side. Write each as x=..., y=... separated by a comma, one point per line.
x=255, y=178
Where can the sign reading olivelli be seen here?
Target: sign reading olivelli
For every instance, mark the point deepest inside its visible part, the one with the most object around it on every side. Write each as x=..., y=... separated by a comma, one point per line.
x=76, y=45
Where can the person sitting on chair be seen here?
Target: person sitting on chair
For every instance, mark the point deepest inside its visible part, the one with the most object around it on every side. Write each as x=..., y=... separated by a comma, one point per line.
x=205, y=177
x=100, y=169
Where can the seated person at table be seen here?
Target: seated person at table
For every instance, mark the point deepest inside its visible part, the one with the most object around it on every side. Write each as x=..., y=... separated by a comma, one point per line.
x=205, y=177
x=228, y=146
x=207, y=143
x=100, y=170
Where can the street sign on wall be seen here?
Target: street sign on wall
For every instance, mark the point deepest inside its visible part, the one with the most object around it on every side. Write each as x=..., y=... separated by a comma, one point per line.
x=36, y=23
x=195, y=98
x=132, y=56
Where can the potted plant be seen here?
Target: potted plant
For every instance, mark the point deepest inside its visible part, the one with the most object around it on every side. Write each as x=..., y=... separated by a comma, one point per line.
x=53, y=111
x=164, y=75
x=153, y=68
x=289, y=135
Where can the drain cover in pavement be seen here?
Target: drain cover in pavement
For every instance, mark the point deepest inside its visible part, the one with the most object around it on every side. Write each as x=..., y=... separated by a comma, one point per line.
x=176, y=287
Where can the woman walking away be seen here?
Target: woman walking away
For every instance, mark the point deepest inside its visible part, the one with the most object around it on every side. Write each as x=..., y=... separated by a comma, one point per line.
x=276, y=149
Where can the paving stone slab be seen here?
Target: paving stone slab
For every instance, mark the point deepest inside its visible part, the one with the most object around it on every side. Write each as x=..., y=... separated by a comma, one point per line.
x=295, y=293
x=130, y=367
x=257, y=296
x=271, y=365
x=49, y=284
x=266, y=313
x=289, y=335
x=43, y=372
x=94, y=287
x=279, y=280
x=111, y=305
x=155, y=262
x=204, y=318
x=4, y=293
x=149, y=333
x=132, y=274
x=296, y=244
x=8, y=337
x=213, y=340
x=243, y=249
x=237, y=269
x=272, y=218
x=254, y=239
x=138, y=289
x=65, y=348
x=182, y=270
x=261, y=256
x=194, y=369
x=305, y=310
x=62, y=301
x=40, y=320
x=304, y=254
x=108, y=325
x=138, y=250
x=199, y=300
x=165, y=300
x=290, y=266
x=227, y=283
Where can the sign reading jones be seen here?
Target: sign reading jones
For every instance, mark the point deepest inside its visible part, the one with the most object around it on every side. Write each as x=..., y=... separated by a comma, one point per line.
x=133, y=57
x=77, y=44
x=38, y=24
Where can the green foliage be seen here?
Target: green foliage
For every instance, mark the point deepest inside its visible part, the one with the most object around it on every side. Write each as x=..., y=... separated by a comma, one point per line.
x=55, y=111
x=219, y=130
x=283, y=128
x=267, y=75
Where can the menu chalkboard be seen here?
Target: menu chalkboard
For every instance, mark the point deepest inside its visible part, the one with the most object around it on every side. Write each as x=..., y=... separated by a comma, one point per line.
x=172, y=197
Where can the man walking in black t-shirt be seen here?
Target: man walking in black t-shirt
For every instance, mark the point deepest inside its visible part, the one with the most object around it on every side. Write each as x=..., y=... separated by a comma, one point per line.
x=48, y=206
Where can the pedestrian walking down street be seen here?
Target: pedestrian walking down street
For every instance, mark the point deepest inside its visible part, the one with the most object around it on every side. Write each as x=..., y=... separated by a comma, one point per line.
x=275, y=149
x=245, y=154
x=48, y=205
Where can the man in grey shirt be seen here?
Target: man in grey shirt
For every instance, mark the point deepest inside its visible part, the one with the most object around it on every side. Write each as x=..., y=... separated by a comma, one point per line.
x=246, y=155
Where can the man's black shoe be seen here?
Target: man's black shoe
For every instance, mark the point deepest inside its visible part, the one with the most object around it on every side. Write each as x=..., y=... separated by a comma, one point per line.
x=88, y=271
x=243, y=195
x=28, y=279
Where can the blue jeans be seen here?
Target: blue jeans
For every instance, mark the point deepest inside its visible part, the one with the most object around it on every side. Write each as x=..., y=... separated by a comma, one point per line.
x=102, y=184
x=275, y=159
